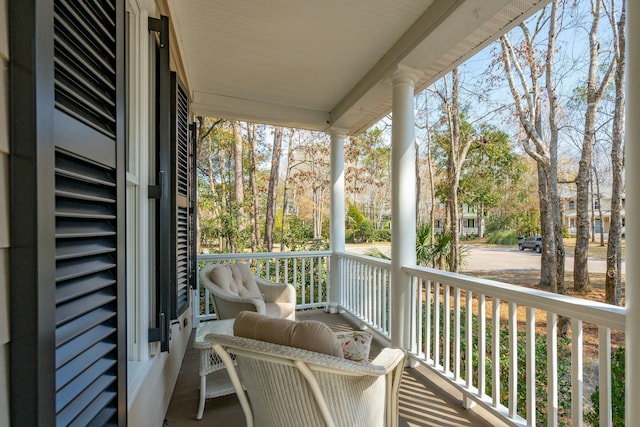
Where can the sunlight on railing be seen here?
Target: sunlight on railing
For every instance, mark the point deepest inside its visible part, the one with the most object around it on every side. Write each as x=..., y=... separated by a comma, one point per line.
x=507, y=354
x=365, y=287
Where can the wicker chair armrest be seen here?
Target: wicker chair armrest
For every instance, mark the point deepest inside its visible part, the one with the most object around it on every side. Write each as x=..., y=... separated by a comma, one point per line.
x=390, y=358
x=228, y=306
x=276, y=292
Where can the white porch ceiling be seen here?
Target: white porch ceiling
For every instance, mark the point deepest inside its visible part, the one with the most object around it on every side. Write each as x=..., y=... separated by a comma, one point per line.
x=320, y=63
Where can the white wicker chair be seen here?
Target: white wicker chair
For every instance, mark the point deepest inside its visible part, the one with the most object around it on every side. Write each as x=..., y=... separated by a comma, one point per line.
x=233, y=288
x=287, y=386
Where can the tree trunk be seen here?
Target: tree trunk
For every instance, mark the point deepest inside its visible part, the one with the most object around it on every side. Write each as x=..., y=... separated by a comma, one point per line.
x=598, y=195
x=613, y=281
x=238, y=183
x=547, y=246
x=593, y=216
x=271, y=193
x=457, y=155
x=545, y=152
x=255, y=218
x=454, y=136
x=285, y=201
x=594, y=95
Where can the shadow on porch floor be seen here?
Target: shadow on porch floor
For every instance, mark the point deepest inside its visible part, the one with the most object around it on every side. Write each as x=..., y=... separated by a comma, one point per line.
x=422, y=400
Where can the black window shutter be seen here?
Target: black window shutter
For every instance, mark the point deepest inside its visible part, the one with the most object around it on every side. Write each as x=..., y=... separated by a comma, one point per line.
x=193, y=217
x=162, y=190
x=181, y=209
x=76, y=243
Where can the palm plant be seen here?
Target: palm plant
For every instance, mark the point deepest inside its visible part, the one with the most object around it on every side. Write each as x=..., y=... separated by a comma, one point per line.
x=430, y=252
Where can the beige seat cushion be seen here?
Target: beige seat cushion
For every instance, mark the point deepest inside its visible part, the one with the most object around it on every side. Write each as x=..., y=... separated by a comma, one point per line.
x=307, y=335
x=235, y=279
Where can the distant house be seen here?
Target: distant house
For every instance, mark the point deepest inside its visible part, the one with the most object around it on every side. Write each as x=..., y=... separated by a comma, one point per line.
x=599, y=205
x=467, y=220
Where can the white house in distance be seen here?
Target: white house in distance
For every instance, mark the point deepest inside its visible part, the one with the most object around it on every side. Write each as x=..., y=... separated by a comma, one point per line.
x=599, y=215
x=97, y=102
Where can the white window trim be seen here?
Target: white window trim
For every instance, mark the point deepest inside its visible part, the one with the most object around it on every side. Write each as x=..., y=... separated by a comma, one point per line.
x=138, y=298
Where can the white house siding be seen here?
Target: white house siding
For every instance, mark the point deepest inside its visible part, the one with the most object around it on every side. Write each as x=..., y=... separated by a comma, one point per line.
x=4, y=215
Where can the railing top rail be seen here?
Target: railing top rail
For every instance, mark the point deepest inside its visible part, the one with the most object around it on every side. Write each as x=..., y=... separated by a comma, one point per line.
x=588, y=311
x=377, y=262
x=260, y=255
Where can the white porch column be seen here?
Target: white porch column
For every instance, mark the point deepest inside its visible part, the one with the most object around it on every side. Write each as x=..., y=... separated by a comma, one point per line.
x=403, y=202
x=632, y=208
x=336, y=237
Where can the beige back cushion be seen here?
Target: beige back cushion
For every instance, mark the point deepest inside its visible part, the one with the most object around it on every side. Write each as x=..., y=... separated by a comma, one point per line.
x=235, y=279
x=307, y=335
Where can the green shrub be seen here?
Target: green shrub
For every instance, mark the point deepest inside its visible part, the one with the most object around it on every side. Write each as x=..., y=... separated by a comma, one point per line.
x=383, y=235
x=564, y=367
x=503, y=237
x=617, y=393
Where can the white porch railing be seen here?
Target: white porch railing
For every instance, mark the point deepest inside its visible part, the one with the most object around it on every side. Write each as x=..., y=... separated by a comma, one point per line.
x=440, y=330
x=443, y=297
x=365, y=290
x=307, y=271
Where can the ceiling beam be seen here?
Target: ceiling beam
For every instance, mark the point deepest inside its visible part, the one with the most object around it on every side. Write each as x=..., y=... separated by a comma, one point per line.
x=231, y=108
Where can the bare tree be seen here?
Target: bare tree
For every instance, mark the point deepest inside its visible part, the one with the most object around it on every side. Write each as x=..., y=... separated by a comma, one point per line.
x=253, y=190
x=459, y=145
x=544, y=151
x=613, y=281
x=594, y=94
x=271, y=193
x=238, y=177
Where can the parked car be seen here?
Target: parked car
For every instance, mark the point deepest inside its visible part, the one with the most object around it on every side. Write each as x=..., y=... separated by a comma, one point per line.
x=531, y=242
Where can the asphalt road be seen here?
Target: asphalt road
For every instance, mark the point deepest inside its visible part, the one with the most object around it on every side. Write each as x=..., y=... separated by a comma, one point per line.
x=492, y=258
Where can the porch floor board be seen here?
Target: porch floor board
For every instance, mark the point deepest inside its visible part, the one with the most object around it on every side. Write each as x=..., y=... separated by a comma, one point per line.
x=425, y=400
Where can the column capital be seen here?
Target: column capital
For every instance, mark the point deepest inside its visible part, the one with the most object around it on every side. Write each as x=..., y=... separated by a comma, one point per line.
x=406, y=74
x=336, y=131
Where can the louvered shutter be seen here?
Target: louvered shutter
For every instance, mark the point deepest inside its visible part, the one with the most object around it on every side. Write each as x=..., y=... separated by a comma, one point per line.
x=165, y=247
x=89, y=212
x=68, y=346
x=181, y=191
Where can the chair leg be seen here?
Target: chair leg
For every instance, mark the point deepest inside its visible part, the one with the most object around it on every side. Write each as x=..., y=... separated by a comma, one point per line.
x=203, y=392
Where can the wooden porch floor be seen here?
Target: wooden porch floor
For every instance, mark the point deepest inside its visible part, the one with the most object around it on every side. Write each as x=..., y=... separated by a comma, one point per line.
x=425, y=400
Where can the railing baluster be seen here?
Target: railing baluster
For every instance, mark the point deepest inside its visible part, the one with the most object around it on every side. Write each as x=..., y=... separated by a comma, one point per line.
x=419, y=324
x=513, y=359
x=604, y=381
x=469, y=349
x=495, y=352
x=436, y=325
x=385, y=312
x=428, y=322
x=277, y=261
x=482, y=345
x=312, y=285
x=531, y=367
x=447, y=329
x=367, y=275
x=303, y=280
x=456, y=338
x=577, y=374
x=376, y=306
x=286, y=270
x=552, y=369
